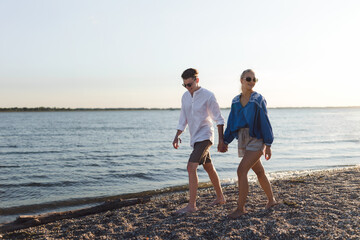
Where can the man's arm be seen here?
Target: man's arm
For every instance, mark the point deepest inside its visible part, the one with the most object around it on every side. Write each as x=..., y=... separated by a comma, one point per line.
x=222, y=147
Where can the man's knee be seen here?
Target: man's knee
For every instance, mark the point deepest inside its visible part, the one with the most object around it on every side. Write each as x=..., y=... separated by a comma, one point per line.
x=192, y=167
x=208, y=167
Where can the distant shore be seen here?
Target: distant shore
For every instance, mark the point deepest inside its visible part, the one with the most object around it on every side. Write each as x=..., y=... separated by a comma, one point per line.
x=48, y=109
x=55, y=109
x=318, y=205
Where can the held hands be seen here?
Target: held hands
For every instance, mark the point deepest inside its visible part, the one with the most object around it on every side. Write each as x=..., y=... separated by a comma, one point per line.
x=222, y=147
x=176, y=142
x=267, y=152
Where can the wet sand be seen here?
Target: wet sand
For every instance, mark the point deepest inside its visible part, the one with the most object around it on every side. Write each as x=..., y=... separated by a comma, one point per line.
x=317, y=205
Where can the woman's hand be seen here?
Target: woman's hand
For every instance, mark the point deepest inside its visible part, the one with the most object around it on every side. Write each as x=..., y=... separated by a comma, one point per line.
x=222, y=147
x=267, y=152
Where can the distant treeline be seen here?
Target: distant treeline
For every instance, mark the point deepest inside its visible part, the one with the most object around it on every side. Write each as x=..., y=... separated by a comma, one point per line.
x=48, y=109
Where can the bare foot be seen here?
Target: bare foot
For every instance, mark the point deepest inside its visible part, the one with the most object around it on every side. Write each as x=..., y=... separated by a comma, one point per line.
x=236, y=214
x=271, y=204
x=219, y=201
x=186, y=209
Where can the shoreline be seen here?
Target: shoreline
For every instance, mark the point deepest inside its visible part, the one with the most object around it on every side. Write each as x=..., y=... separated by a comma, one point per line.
x=321, y=204
x=12, y=213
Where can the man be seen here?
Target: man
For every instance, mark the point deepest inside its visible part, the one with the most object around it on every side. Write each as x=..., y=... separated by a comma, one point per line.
x=198, y=108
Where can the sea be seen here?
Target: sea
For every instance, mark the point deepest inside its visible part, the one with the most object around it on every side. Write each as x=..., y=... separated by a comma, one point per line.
x=57, y=161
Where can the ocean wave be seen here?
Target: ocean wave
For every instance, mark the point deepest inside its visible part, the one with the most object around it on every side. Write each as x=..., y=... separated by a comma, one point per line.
x=29, y=152
x=144, y=176
x=40, y=184
x=297, y=173
x=8, y=146
x=9, y=166
x=334, y=141
x=136, y=155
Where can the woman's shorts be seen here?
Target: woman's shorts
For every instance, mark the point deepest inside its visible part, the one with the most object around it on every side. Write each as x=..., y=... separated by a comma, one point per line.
x=246, y=142
x=201, y=153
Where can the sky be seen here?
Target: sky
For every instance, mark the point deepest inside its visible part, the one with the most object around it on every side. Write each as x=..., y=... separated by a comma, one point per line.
x=131, y=53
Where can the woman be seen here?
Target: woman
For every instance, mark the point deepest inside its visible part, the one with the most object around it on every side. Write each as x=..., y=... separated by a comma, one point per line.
x=249, y=123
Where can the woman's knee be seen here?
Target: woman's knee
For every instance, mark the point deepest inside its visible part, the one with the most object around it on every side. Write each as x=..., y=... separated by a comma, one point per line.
x=259, y=172
x=241, y=171
x=259, y=169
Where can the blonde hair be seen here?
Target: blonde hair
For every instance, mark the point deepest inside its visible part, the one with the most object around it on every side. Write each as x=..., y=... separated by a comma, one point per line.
x=245, y=72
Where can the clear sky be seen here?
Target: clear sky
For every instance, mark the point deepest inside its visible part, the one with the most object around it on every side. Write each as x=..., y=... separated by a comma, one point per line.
x=131, y=53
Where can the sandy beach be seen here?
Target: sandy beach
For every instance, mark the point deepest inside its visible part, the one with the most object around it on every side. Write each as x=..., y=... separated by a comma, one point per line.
x=317, y=205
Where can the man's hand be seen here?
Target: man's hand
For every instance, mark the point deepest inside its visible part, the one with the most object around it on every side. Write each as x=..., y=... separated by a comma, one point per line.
x=222, y=147
x=176, y=142
x=267, y=152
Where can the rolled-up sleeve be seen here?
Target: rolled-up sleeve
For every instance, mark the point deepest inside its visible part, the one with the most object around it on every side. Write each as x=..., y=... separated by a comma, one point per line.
x=228, y=136
x=214, y=111
x=182, y=119
x=266, y=128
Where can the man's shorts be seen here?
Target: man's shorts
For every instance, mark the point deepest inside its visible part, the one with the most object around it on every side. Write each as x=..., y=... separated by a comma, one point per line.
x=201, y=153
x=246, y=142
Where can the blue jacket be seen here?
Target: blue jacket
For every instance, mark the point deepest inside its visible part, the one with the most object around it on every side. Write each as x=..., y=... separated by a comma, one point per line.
x=256, y=117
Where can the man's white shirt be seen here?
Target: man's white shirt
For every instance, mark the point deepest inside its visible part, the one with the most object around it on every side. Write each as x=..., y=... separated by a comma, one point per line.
x=197, y=112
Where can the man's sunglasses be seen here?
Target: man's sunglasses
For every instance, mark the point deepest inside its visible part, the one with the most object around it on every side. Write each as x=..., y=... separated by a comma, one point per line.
x=189, y=84
x=249, y=79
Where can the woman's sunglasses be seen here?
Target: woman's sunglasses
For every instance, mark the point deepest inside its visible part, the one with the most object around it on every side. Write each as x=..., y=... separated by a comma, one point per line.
x=249, y=79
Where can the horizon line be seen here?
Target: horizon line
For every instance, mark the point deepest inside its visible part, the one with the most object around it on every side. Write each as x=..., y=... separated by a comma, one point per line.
x=48, y=109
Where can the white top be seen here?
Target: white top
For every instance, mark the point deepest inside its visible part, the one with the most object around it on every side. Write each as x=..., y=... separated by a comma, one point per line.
x=198, y=111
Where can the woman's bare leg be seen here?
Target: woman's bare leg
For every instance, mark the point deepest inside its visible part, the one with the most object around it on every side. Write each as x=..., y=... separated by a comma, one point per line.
x=264, y=183
x=250, y=158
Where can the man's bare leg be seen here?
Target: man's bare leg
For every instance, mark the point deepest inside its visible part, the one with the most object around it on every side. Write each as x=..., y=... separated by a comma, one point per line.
x=193, y=186
x=214, y=178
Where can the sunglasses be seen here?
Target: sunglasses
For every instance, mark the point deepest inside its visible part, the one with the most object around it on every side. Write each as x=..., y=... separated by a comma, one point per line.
x=249, y=79
x=189, y=84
